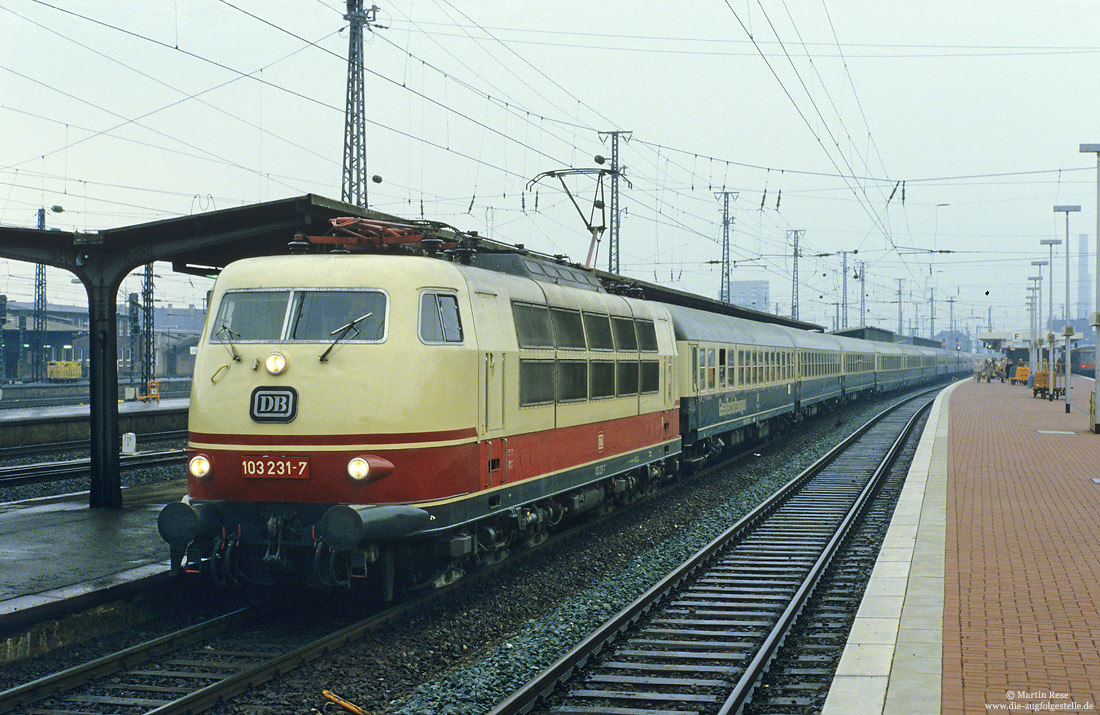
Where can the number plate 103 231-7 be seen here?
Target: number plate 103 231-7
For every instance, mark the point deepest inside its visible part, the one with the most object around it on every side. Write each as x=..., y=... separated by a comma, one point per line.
x=275, y=467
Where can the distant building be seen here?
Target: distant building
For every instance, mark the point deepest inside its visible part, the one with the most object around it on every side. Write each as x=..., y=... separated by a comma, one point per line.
x=750, y=294
x=177, y=331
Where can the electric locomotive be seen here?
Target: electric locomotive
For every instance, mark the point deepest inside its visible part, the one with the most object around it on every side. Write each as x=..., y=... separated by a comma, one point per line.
x=398, y=417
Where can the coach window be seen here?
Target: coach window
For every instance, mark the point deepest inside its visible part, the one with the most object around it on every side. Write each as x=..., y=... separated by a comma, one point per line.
x=722, y=368
x=740, y=367
x=568, y=330
x=598, y=328
x=625, y=339
x=601, y=379
x=439, y=319
x=710, y=369
x=572, y=380
x=536, y=382
x=533, y=326
x=318, y=315
x=647, y=336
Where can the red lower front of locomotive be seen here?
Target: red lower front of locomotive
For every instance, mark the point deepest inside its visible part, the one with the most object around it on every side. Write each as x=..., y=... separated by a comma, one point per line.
x=264, y=515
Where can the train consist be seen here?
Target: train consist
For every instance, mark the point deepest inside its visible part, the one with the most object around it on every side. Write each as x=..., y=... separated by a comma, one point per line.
x=395, y=416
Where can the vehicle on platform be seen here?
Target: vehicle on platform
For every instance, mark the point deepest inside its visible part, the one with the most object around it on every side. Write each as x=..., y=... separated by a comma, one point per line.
x=405, y=407
x=64, y=371
x=1084, y=360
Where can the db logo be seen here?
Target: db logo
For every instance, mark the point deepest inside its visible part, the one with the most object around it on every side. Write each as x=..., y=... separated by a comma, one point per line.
x=274, y=404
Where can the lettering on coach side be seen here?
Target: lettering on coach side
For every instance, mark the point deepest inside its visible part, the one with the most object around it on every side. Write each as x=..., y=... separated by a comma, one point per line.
x=273, y=404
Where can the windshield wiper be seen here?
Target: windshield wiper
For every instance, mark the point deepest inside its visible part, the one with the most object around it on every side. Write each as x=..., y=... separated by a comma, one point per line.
x=343, y=331
x=225, y=330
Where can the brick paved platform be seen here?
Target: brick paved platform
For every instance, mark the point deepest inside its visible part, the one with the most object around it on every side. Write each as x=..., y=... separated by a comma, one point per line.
x=986, y=596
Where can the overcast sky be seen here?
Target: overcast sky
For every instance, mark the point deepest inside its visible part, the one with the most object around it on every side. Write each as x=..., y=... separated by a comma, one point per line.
x=898, y=130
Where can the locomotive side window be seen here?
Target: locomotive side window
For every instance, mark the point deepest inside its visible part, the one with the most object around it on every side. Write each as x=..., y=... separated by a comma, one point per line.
x=626, y=377
x=250, y=315
x=572, y=380
x=536, y=382
x=651, y=376
x=625, y=338
x=602, y=379
x=598, y=328
x=319, y=314
x=647, y=336
x=533, y=326
x=439, y=318
x=568, y=329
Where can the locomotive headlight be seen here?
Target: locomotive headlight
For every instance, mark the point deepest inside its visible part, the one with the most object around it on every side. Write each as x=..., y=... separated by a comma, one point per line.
x=276, y=363
x=199, y=466
x=358, y=468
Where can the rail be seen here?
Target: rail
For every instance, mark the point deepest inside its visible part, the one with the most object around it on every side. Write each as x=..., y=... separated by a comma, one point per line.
x=41, y=472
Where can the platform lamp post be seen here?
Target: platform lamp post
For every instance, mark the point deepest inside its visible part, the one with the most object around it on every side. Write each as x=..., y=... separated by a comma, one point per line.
x=1067, y=329
x=1048, y=332
x=1039, y=320
x=1094, y=318
x=1032, y=291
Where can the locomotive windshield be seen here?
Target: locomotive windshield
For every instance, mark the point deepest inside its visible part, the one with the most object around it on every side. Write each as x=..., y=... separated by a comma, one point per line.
x=299, y=315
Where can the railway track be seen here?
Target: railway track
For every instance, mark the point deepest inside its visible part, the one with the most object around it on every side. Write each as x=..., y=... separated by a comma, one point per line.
x=40, y=472
x=29, y=450
x=700, y=640
x=193, y=669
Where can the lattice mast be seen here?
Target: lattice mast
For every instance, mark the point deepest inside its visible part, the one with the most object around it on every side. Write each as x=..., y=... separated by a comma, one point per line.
x=613, y=248
x=862, y=293
x=38, y=328
x=932, y=309
x=727, y=221
x=844, y=288
x=900, y=326
x=355, y=117
x=794, y=234
x=149, y=355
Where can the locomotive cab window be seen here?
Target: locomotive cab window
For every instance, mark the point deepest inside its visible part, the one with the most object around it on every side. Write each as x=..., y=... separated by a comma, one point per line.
x=250, y=315
x=317, y=315
x=439, y=318
x=301, y=315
